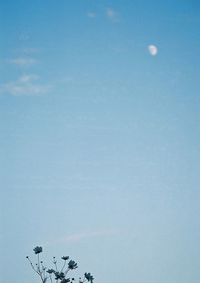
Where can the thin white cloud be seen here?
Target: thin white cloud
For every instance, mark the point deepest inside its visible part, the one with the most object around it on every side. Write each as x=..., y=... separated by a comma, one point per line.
x=78, y=237
x=91, y=15
x=112, y=15
x=23, y=61
x=153, y=50
x=28, y=78
x=30, y=50
x=24, y=85
x=74, y=238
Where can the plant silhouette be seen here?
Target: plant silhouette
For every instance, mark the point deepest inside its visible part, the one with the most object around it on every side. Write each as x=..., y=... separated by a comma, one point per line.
x=54, y=274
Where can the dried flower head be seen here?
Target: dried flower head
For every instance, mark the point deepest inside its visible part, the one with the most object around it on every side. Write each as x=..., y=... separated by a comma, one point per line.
x=72, y=264
x=65, y=257
x=89, y=277
x=37, y=250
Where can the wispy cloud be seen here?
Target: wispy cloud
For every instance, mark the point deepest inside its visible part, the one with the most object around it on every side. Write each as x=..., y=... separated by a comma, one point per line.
x=25, y=85
x=78, y=237
x=28, y=78
x=112, y=15
x=74, y=238
x=30, y=50
x=23, y=61
x=91, y=15
x=153, y=50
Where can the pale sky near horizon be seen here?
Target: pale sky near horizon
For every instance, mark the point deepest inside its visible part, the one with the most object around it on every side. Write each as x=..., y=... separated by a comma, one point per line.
x=100, y=138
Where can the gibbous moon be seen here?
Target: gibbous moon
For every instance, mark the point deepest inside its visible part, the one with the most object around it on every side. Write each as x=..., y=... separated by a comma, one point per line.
x=153, y=50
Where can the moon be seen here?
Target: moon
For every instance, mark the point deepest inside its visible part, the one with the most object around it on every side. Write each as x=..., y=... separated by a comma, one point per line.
x=153, y=50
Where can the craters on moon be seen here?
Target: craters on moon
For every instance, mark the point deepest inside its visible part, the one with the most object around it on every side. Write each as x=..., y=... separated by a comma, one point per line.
x=153, y=50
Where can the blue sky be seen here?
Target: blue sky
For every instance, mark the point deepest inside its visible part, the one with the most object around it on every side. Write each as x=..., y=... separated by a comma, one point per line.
x=100, y=139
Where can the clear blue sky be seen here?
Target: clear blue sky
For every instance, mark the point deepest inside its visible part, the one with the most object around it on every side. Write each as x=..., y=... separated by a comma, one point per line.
x=100, y=137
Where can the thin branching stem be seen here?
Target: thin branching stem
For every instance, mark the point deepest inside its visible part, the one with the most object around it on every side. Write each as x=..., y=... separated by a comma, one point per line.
x=33, y=266
x=67, y=271
x=55, y=263
x=63, y=266
x=38, y=256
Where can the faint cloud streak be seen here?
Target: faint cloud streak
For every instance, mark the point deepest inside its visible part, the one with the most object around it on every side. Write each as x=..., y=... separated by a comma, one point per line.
x=74, y=238
x=91, y=15
x=24, y=85
x=30, y=50
x=23, y=61
x=112, y=15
